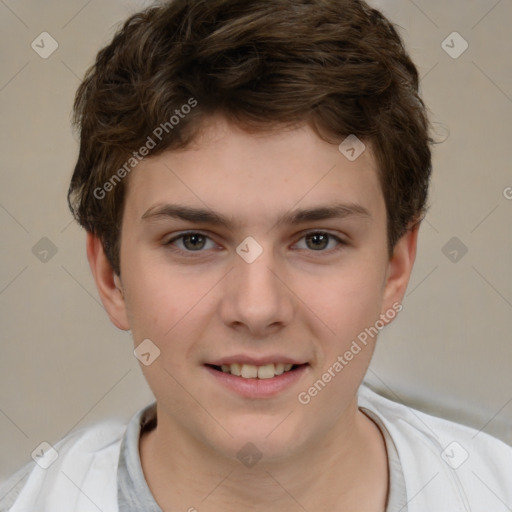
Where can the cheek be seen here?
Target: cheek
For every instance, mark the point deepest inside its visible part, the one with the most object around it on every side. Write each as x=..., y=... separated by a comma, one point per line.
x=350, y=308
x=164, y=303
x=152, y=298
x=347, y=302
x=161, y=308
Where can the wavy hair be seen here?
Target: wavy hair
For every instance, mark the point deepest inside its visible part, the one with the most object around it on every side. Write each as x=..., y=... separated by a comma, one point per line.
x=338, y=65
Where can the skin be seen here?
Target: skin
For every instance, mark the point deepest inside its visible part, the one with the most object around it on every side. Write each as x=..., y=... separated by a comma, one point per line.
x=295, y=299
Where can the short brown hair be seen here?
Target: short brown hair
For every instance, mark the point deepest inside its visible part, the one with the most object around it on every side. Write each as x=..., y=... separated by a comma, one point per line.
x=338, y=65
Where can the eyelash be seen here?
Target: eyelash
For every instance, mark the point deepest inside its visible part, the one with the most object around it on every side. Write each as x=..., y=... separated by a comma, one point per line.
x=169, y=244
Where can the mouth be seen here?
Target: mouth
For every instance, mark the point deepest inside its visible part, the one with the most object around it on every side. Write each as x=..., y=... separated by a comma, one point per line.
x=251, y=371
x=258, y=376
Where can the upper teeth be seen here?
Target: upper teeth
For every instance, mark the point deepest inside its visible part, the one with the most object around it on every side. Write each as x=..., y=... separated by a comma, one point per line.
x=250, y=371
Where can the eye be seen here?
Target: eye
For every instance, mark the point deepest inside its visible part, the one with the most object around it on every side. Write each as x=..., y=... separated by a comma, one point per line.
x=194, y=241
x=191, y=242
x=320, y=240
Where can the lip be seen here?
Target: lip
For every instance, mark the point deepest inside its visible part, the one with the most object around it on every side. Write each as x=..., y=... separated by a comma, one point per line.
x=256, y=361
x=258, y=388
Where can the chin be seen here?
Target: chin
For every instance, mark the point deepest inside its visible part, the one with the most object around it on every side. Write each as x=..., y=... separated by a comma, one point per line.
x=256, y=437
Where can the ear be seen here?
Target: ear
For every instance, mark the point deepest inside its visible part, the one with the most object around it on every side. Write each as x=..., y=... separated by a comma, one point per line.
x=400, y=268
x=108, y=284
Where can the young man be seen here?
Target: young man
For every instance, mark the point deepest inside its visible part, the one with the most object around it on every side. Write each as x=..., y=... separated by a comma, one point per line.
x=252, y=176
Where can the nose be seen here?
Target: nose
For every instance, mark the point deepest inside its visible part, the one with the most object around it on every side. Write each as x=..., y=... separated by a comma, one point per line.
x=256, y=298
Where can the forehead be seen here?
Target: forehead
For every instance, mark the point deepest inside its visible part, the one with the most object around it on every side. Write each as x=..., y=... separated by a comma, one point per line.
x=255, y=176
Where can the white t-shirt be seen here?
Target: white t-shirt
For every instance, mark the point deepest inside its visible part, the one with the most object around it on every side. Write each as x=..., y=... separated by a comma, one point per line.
x=435, y=466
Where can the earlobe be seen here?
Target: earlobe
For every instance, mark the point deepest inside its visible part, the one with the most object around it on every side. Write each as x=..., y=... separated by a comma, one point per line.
x=399, y=268
x=109, y=284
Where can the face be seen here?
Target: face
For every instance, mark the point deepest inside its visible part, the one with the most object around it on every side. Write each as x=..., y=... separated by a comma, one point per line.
x=250, y=254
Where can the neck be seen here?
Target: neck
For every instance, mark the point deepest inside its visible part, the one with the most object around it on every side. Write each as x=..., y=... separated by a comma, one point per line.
x=335, y=472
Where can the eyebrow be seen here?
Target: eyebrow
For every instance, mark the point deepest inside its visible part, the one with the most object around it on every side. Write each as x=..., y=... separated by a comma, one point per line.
x=207, y=216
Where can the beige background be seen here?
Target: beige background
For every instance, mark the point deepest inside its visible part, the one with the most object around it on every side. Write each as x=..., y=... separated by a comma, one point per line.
x=63, y=365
